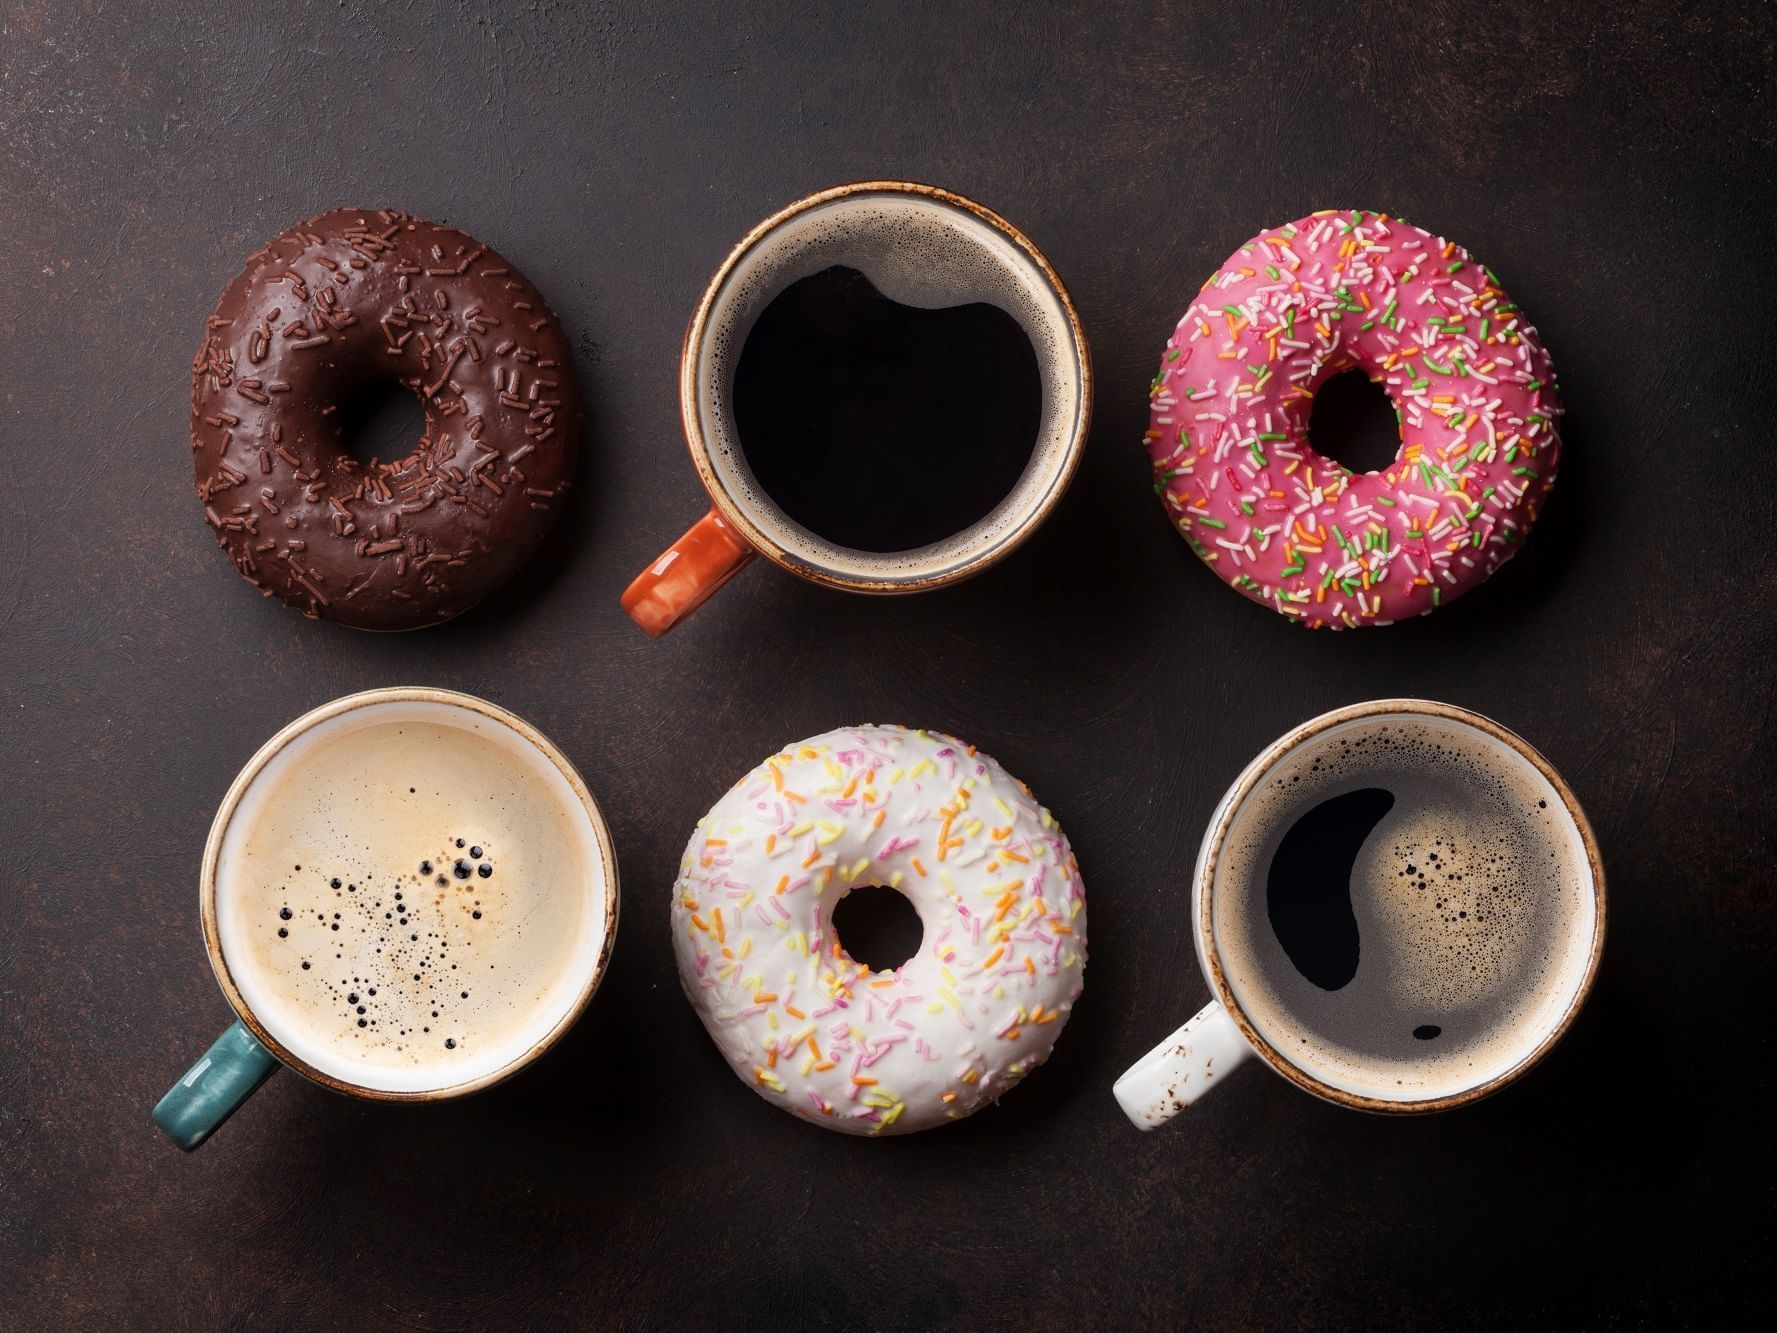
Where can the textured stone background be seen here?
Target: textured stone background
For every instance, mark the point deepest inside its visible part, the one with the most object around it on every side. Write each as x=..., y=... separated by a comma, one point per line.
x=1612, y=161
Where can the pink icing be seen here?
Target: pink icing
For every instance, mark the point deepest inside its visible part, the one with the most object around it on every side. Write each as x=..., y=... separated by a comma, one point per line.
x=1228, y=428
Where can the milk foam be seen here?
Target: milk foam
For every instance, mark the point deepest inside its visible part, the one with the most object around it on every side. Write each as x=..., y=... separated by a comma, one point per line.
x=1473, y=899
x=410, y=897
x=920, y=252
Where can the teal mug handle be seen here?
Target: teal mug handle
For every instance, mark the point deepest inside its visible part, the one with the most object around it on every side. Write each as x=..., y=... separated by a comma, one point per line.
x=214, y=1088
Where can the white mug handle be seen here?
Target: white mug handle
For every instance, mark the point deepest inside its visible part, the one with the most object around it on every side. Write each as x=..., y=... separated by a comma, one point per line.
x=1183, y=1068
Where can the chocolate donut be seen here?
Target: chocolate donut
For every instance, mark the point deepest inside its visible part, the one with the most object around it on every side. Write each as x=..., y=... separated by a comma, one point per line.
x=334, y=304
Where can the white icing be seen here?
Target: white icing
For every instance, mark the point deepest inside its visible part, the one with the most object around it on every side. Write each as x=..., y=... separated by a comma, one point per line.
x=986, y=867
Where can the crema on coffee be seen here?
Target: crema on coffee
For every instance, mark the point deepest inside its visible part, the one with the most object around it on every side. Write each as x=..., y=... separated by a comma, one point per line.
x=409, y=896
x=1403, y=906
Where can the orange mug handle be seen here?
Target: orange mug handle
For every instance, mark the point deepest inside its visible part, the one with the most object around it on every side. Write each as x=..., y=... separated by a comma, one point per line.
x=685, y=575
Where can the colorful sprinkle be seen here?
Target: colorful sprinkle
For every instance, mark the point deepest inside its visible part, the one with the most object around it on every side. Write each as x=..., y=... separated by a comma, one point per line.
x=1473, y=392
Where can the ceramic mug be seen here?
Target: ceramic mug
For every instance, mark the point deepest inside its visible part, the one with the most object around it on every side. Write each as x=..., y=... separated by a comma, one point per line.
x=965, y=252
x=266, y=1037
x=1261, y=1007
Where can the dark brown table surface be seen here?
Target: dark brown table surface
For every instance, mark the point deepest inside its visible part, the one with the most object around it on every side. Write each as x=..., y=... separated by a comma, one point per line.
x=1613, y=162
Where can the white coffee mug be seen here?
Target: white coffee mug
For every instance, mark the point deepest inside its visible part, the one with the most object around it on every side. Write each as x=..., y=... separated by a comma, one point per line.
x=1228, y=1031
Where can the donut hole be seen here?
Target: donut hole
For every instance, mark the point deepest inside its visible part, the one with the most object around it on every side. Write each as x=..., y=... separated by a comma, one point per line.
x=380, y=422
x=877, y=927
x=1354, y=424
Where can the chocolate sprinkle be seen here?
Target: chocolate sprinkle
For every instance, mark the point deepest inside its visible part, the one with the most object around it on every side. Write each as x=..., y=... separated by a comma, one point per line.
x=381, y=295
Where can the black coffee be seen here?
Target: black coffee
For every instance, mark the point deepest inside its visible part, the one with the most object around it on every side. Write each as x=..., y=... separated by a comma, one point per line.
x=880, y=426
x=1419, y=907
x=1308, y=888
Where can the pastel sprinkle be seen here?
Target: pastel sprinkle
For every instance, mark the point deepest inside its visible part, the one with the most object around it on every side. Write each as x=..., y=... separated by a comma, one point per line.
x=815, y=1030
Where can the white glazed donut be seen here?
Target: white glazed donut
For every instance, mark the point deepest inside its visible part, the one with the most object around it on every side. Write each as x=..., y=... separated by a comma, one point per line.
x=810, y=1029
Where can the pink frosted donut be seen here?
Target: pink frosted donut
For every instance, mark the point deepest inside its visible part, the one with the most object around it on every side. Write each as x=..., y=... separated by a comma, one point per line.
x=1471, y=384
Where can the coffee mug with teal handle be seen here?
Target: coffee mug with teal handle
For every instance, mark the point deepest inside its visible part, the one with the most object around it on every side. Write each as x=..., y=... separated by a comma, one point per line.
x=249, y=1052
x=214, y=1088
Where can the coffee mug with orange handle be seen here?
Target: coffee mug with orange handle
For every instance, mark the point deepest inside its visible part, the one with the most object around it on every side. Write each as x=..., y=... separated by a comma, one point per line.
x=918, y=244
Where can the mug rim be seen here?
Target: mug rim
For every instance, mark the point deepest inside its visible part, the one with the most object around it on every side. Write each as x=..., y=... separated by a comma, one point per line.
x=237, y=790
x=1221, y=822
x=737, y=516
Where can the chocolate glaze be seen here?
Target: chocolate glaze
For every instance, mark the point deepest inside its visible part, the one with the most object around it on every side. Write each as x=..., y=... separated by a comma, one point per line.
x=352, y=297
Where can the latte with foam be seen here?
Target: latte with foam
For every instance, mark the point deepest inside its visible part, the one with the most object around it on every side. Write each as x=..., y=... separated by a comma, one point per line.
x=410, y=896
x=1403, y=907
